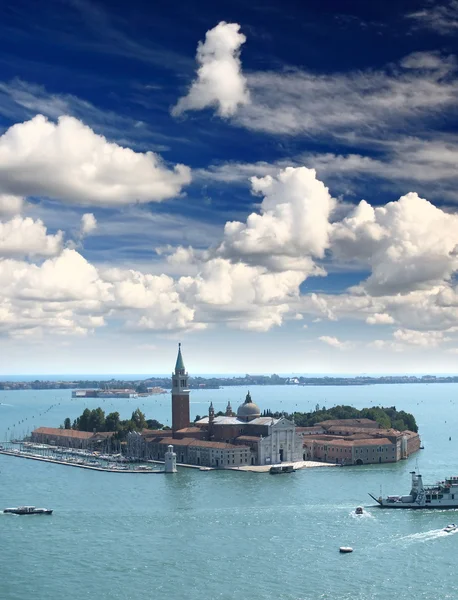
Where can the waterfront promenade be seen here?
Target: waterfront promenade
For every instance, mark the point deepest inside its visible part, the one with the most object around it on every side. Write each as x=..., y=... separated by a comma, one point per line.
x=303, y=464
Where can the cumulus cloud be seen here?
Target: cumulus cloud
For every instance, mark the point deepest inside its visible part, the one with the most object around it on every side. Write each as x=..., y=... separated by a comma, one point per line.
x=220, y=82
x=425, y=339
x=88, y=224
x=26, y=237
x=334, y=342
x=252, y=279
x=69, y=295
x=241, y=295
x=380, y=319
x=409, y=244
x=293, y=224
x=154, y=298
x=10, y=205
x=67, y=161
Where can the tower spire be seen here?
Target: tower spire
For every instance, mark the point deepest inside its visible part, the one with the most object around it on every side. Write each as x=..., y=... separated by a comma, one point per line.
x=180, y=395
x=179, y=366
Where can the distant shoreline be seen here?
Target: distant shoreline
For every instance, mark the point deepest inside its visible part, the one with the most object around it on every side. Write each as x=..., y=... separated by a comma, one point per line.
x=221, y=382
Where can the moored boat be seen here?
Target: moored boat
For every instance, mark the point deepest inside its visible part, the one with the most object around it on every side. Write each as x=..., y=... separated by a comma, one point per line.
x=276, y=469
x=345, y=549
x=28, y=510
x=444, y=494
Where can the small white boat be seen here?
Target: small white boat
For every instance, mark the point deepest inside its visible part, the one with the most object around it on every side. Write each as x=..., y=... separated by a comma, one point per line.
x=345, y=549
x=359, y=510
x=450, y=528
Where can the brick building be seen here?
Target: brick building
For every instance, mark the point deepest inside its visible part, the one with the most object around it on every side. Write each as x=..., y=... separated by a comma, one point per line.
x=69, y=438
x=358, y=442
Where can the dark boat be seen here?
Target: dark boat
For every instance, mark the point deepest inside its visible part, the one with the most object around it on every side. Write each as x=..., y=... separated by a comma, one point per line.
x=28, y=510
x=276, y=469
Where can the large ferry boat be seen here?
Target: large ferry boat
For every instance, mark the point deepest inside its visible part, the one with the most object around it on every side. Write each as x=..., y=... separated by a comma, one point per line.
x=444, y=494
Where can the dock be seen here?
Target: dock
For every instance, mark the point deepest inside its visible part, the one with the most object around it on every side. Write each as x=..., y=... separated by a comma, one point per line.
x=55, y=461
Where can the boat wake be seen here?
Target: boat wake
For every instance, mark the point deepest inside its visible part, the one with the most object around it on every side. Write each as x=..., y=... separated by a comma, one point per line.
x=426, y=536
x=366, y=515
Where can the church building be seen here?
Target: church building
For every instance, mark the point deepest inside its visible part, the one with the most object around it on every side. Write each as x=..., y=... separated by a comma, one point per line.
x=232, y=440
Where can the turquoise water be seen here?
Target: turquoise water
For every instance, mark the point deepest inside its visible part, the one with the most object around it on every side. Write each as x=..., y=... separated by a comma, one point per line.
x=207, y=535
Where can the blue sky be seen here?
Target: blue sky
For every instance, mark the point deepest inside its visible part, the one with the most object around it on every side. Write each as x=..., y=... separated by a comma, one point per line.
x=275, y=185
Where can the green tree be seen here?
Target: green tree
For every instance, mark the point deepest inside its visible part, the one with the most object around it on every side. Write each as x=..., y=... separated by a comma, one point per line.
x=141, y=388
x=97, y=420
x=84, y=421
x=67, y=423
x=112, y=422
x=154, y=424
x=139, y=420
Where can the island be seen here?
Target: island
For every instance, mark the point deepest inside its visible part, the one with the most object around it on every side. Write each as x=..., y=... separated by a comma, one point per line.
x=161, y=383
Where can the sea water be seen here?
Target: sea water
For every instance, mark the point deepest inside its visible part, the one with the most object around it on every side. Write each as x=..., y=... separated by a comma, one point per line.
x=228, y=535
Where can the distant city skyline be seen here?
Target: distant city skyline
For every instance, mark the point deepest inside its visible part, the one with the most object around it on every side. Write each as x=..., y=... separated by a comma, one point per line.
x=274, y=187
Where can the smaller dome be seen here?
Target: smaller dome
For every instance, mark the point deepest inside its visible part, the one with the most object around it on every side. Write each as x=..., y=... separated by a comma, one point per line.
x=248, y=409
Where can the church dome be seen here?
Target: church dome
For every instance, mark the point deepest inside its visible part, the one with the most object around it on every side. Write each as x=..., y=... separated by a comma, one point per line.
x=248, y=410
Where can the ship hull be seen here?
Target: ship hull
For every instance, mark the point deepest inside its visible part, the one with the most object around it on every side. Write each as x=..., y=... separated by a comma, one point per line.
x=412, y=505
x=417, y=507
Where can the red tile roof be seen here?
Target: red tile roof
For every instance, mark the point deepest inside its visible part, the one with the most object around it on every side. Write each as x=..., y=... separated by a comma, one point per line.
x=190, y=430
x=64, y=433
x=200, y=444
x=368, y=423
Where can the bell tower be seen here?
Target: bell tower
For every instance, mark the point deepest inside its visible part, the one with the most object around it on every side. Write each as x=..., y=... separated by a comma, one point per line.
x=180, y=395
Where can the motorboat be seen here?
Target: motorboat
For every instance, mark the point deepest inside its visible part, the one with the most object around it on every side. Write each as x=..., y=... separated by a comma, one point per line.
x=359, y=510
x=28, y=510
x=276, y=469
x=450, y=528
x=444, y=494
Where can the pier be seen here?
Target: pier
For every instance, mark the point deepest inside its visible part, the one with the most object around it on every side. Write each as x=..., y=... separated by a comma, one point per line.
x=80, y=465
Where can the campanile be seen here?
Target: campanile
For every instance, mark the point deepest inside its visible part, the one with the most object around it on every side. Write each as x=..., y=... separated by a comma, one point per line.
x=180, y=395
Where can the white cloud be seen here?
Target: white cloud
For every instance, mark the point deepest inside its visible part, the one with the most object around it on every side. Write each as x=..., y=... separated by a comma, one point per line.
x=348, y=104
x=441, y=17
x=67, y=161
x=334, y=342
x=220, y=82
x=26, y=237
x=380, y=319
x=425, y=339
x=10, y=205
x=88, y=224
x=409, y=244
x=293, y=225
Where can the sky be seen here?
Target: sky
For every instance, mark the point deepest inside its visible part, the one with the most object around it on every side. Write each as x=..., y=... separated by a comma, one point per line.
x=272, y=184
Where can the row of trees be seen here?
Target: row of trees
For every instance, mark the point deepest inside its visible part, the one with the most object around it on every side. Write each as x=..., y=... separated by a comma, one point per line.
x=387, y=417
x=95, y=420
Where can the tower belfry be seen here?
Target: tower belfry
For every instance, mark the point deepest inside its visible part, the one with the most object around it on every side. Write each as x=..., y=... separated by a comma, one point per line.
x=180, y=395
